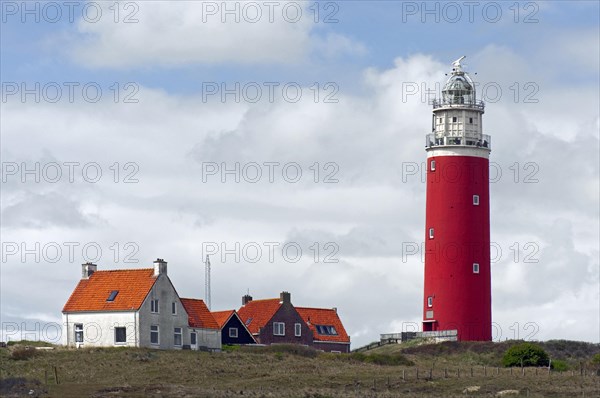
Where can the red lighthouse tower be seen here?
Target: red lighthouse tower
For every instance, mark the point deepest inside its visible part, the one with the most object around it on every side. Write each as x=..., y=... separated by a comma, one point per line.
x=457, y=232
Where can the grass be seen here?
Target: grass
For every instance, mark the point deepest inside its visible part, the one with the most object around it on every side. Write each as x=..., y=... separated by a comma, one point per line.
x=282, y=371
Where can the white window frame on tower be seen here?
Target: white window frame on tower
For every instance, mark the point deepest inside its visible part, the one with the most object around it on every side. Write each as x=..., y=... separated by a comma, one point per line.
x=475, y=268
x=430, y=301
x=432, y=165
x=431, y=233
x=475, y=200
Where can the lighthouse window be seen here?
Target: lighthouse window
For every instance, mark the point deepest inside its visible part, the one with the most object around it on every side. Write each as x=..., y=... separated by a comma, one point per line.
x=475, y=268
x=432, y=165
x=476, y=200
x=454, y=118
x=430, y=233
x=430, y=301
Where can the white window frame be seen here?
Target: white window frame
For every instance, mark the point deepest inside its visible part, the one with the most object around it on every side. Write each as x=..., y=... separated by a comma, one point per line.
x=78, y=328
x=432, y=165
x=124, y=341
x=195, y=337
x=430, y=301
x=278, y=328
x=233, y=333
x=475, y=200
x=297, y=329
x=475, y=268
x=155, y=329
x=177, y=332
x=431, y=231
x=154, y=308
x=174, y=308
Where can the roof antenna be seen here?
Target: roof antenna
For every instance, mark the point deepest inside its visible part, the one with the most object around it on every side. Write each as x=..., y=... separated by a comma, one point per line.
x=207, y=282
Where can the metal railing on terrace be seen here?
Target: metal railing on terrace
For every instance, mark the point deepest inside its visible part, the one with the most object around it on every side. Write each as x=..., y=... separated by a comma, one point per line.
x=431, y=140
x=438, y=103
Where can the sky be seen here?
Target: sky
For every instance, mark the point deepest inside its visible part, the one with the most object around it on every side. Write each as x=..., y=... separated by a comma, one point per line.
x=286, y=140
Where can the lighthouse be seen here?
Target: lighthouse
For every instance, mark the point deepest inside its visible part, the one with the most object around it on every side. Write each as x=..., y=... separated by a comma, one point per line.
x=457, y=288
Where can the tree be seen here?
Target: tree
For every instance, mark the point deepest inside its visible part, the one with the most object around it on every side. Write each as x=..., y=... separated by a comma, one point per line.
x=525, y=354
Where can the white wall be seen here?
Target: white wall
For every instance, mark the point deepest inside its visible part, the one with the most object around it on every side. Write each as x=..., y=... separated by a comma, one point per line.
x=209, y=338
x=164, y=291
x=99, y=328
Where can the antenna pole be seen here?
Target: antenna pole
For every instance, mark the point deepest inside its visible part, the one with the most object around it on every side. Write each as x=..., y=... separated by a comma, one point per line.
x=207, y=282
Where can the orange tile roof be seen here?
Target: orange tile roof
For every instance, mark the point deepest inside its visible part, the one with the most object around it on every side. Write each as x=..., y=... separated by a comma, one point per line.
x=261, y=311
x=222, y=317
x=90, y=294
x=198, y=314
x=323, y=316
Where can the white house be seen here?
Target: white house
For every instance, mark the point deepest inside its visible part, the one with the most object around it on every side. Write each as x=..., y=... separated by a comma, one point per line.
x=136, y=308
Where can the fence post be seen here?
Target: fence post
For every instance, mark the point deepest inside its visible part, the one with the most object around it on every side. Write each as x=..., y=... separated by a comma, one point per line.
x=430, y=374
x=445, y=373
x=458, y=373
x=417, y=373
x=471, y=371
x=403, y=374
x=56, y=375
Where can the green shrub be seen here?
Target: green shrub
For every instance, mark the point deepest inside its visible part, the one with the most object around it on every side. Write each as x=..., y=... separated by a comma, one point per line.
x=559, y=365
x=596, y=359
x=230, y=348
x=525, y=354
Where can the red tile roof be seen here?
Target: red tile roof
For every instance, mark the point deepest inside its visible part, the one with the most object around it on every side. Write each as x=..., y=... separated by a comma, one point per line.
x=133, y=285
x=325, y=317
x=222, y=317
x=256, y=313
x=198, y=314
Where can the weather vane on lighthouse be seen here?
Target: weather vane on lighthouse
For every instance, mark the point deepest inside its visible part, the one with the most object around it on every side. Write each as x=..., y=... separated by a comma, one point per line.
x=457, y=288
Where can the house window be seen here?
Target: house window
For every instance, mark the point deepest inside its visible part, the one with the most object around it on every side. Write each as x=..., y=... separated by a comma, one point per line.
x=440, y=120
x=278, y=329
x=233, y=333
x=454, y=119
x=475, y=268
x=432, y=165
x=154, y=337
x=297, y=329
x=327, y=330
x=430, y=301
x=177, y=337
x=174, y=308
x=79, y=332
x=476, y=200
x=112, y=295
x=120, y=335
x=193, y=338
x=471, y=120
x=430, y=233
x=154, y=306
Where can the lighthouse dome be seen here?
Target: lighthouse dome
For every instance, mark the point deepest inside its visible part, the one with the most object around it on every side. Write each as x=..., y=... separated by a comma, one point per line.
x=459, y=89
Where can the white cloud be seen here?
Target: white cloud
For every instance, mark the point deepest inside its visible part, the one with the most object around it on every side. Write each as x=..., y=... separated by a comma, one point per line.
x=179, y=33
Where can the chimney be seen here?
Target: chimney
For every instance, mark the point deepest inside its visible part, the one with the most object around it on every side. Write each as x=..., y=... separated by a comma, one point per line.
x=87, y=270
x=334, y=309
x=285, y=298
x=246, y=299
x=160, y=267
